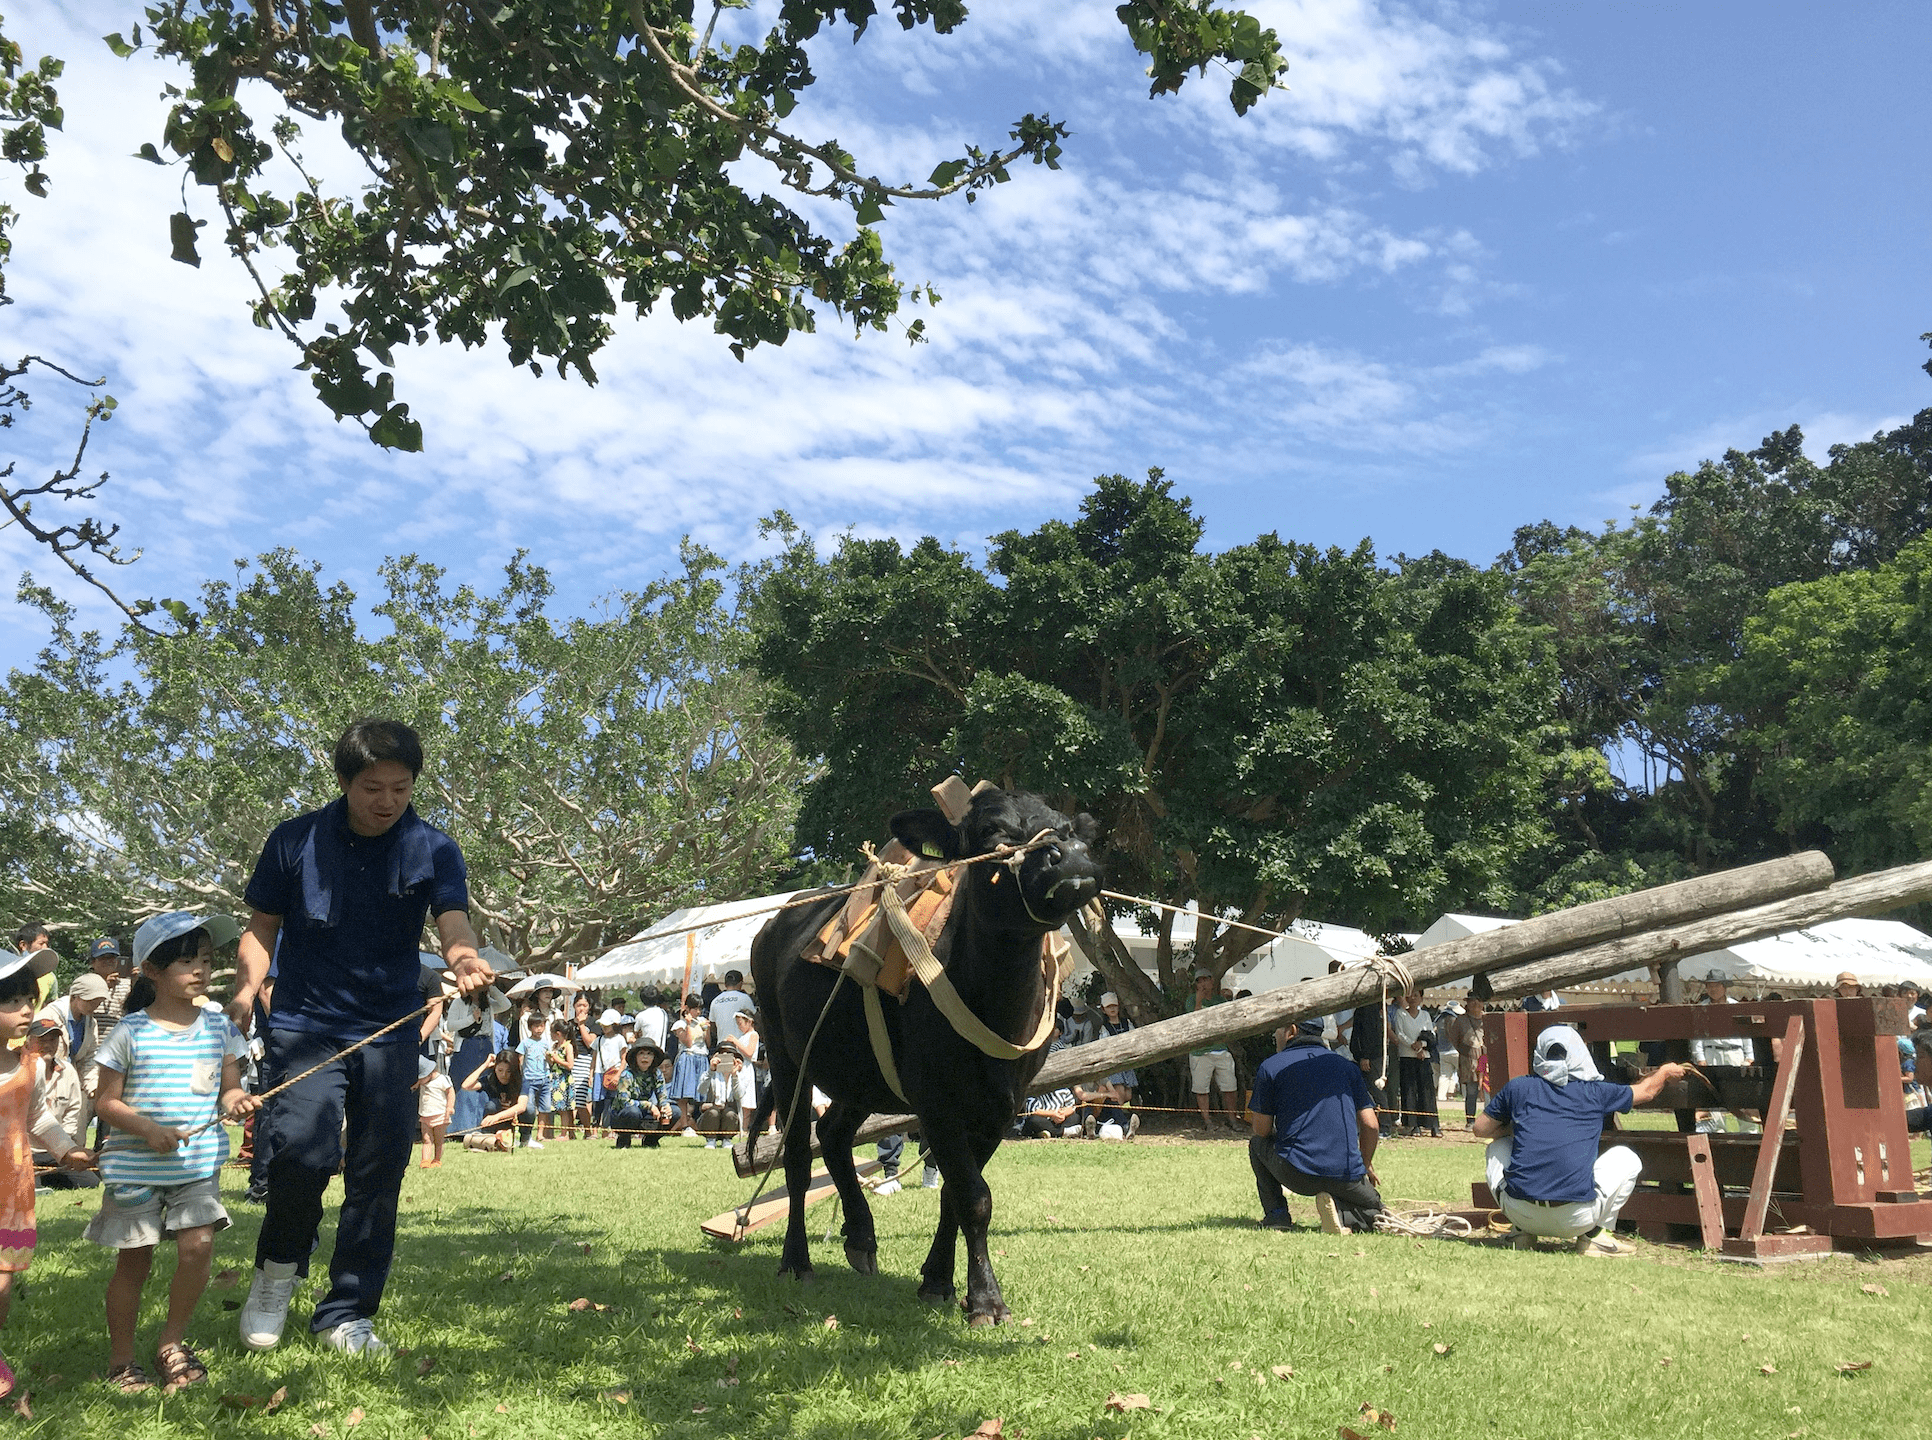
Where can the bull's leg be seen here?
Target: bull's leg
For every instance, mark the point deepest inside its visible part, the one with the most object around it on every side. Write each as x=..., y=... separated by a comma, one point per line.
x=974, y=1207
x=936, y=1275
x=796, y=1258
x=836, y=1127
x=948, y=1148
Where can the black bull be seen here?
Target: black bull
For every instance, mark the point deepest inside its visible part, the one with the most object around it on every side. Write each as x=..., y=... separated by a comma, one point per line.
x=965, y=1100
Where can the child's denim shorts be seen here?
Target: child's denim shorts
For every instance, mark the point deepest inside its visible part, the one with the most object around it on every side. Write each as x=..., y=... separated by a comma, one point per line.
x=133, y=1217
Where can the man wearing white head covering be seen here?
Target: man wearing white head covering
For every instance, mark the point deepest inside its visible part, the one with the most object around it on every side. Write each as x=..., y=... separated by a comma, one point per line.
x=1542, y=1162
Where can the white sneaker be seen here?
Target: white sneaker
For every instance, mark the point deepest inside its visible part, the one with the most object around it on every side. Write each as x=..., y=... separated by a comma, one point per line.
x=1602, y=1244
x=1133, y=1124
x=711, y=1144
x=265, y=1311
x=355, y=1337
x=930, y=1180
x=533, y=1143
x=689, y=1132
x=888, y=1187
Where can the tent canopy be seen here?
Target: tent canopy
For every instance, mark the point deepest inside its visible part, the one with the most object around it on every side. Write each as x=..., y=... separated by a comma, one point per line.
x=657, y=956
x=1878, y=952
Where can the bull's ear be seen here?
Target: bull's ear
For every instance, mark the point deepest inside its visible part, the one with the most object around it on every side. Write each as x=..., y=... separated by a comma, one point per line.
x=1086, y=828
x=927, y=833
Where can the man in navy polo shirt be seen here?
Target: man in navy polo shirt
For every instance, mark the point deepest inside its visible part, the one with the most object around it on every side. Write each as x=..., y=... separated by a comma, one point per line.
x=1314, y=1132
x=346, y=890
x=1544, y=1129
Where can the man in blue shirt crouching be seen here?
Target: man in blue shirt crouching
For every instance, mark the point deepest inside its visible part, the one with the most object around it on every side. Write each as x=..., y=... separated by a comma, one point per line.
x=1544, y=1131
x=1315, y=1133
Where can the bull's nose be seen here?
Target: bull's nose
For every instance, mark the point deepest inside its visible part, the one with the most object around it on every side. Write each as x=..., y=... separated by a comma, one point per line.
x=1073, y=890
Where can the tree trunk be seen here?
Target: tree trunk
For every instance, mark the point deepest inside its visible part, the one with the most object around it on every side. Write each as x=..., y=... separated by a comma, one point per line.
x=1139, y=997
x=1590, y=941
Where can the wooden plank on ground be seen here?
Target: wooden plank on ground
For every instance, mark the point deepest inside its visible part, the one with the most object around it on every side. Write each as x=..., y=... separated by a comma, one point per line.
x=774, y=1204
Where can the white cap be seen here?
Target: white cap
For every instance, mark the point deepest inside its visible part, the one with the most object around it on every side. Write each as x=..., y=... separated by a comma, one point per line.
x=158, y=930
x=1109, y=999
x=610, y=1017
x=41, y=962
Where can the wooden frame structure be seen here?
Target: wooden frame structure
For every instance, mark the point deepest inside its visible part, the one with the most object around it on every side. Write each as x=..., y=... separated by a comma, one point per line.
x=1840, y=1178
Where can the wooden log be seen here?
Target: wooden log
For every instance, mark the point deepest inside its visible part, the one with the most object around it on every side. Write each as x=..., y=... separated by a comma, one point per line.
x=1630, y=919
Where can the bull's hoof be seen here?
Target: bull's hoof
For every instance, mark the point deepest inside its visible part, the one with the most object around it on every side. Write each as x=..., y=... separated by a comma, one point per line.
x=997, y=1316
x=937, y=1294
x=801, y=1273
x=866, y=1262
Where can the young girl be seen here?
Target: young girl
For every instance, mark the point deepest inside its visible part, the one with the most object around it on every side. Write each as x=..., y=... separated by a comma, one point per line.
x=500, y=1080
x=585, y=1089
x=755, y=1073
x=170, y=1067
x=435, y=1104
x=24, y=1122
x=607, y=1066
x=563, y=1061
x=693, y=1065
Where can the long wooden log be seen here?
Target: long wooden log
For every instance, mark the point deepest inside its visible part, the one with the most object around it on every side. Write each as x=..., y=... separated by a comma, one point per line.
x=1620, y=919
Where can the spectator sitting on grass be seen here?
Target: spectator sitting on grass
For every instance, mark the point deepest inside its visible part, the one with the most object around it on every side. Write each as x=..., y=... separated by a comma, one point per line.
x=500, y=1079
x=1542, y=1161
x=722, y=1097
x=1315, y=1132
x=639, y=1105
x=1051, y=1114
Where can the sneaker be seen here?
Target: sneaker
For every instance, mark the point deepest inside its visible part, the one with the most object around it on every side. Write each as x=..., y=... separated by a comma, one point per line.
x=265, y=1311
x=1331, y=1220
x=1602, y=1243
x=1522, y=1240
x=888, y=1187
x=689, y=1132
x=711, y=1144
x=930, y=1180
x=1133, y=1125
x=1090, y=1127
x=533, y=1143
x=256, y=1193
x=354, y=1337
x=1277, y=1220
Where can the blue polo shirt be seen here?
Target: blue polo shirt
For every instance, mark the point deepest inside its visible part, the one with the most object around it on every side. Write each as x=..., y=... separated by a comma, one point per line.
x=349, y=978
x=1315, y=1096
x=1556, y=1129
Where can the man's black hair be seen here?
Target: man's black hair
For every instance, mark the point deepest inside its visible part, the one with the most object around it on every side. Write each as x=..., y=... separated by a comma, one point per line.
x=21, y=984
x=27, y=934
x=370, y=742
x=734, y=977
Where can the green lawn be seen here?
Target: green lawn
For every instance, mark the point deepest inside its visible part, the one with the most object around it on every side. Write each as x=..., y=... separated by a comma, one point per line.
x=1130, y=1267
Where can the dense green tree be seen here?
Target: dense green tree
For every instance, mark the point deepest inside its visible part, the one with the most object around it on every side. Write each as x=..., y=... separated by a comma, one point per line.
x=1268, y=731
x=597, y=771
x=1834, y=687
x=533, y=167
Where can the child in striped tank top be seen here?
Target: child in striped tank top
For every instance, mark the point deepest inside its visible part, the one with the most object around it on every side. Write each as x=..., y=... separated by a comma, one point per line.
x=171, y=1066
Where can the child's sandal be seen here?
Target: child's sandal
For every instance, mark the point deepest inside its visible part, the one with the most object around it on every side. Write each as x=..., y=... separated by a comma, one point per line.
x=180, y=1367
x=129, y=1379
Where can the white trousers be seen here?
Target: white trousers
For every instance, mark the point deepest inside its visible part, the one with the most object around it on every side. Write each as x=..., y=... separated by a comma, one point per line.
x=1616, y=1176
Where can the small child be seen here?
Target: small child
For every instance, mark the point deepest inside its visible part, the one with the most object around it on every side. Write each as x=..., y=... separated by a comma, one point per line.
x=435, y=1104
x=534, y=1051
x=24, y=1121
x=170, y=1067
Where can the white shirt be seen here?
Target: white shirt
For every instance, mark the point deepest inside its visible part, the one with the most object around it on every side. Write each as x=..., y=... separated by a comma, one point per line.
x=1408, y=1028
x=1739, y=1051
x=654, y=1025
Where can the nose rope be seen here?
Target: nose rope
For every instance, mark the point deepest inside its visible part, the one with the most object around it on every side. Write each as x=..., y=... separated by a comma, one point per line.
x=1017, y=859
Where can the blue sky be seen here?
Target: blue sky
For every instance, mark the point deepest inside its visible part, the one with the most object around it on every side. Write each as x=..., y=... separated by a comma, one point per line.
x=1481, y=265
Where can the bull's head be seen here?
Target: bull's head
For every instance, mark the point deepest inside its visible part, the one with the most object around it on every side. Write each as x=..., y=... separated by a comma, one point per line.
x=1047, y=884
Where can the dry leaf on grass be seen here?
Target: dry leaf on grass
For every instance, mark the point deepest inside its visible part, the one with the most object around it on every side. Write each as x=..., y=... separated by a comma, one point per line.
x=354, y=1417
x=425, y=1365
x=275, y=1400
x=1664, y=1361
x=831, y=1322
x=1026, y=1320
x=1344, y=1433
x=699, y=1408
x=324, y=1430
x=579, y=1305
x=1852, y=1367
x=22, y=1406
x=1384, y=1418
x=1234, y=1364
x=1282, y=1372
x=506, y=1277
x=1441, y=1349
x=1767, y=1369
x=1874, y=1290
x=584, y=1248
x=1119, y=1404
x=238, y=1402
x=225, y=1279
x=503, y=1409
x=620, y=1397
x=1071, y=1355
x=990, y=1429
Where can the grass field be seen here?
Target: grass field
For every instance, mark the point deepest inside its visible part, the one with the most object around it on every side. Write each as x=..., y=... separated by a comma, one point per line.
x=1131, y=1268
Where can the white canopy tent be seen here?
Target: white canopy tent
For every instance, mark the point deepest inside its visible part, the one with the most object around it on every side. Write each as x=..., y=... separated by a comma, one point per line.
x=657, y=956
x=1878, y=952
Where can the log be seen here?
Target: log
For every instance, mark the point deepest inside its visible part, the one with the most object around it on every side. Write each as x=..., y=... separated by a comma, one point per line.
x=1622, y=919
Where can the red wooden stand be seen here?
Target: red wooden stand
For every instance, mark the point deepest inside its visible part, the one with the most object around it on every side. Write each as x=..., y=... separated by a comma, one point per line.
x=1842, y=1177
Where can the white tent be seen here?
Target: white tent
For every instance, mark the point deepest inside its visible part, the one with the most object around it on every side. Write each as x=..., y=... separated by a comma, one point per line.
x=1878, y=952
x=657, y=956
x=1304, y=953
x=1454, y=926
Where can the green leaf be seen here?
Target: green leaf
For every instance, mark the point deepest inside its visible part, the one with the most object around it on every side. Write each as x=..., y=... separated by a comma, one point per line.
x=944, y=175
x=120, y=46
x=148, y=153
x=182, y=232
x=394, y=430
x=868, y=211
